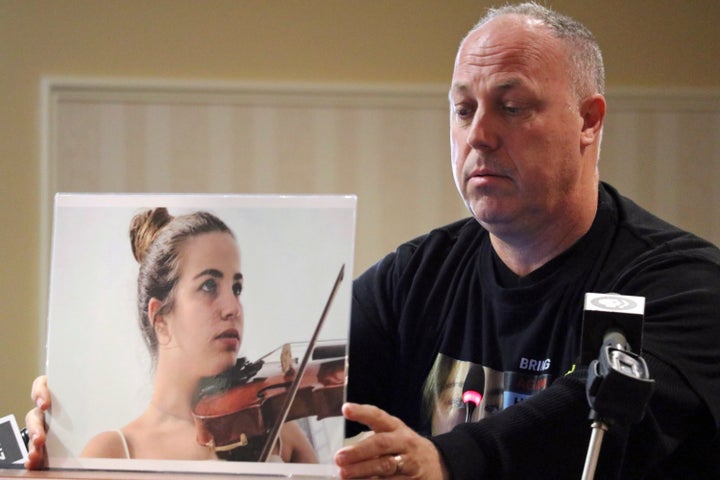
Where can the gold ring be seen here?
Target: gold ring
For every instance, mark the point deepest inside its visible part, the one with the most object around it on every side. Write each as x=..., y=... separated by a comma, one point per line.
x=398, y=464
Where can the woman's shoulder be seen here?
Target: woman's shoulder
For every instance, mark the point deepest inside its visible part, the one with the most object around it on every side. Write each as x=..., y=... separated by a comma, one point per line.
x=296, y=447
x=108, y=444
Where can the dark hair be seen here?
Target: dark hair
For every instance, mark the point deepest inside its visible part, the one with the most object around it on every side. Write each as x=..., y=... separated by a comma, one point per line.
x=587, y=69
x=156, y=238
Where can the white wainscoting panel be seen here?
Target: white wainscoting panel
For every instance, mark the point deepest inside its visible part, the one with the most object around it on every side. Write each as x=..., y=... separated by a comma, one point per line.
x=387, y=144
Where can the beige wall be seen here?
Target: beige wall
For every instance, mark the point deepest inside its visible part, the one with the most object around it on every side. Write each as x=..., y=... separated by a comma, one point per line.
x=665, y=44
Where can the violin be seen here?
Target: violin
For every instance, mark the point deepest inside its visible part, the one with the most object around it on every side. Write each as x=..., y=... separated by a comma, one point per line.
x=234, y=411
x=242, y=410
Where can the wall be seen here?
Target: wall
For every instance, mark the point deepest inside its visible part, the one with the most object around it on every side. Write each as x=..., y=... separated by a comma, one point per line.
x=661, y=44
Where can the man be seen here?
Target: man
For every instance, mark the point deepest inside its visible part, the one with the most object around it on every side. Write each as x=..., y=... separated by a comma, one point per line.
x=496, y=300
x=502, y=293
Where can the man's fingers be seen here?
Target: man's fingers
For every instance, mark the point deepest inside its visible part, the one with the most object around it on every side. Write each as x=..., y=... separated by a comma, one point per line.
x=375, y=446
x=37, y=456
x=35, y=424
x=378, y=455
x=385, y=466
x=394, y=450
x=40, y=394
x=377, y=419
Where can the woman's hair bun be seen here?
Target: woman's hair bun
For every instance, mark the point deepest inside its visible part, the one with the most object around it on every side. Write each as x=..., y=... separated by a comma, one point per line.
x=144, y=228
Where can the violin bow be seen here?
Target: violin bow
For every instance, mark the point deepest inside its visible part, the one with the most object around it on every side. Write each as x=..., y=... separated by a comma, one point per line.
x=290, y=397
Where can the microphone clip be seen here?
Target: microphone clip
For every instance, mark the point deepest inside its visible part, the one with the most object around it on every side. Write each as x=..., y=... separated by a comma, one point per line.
x=618, y=386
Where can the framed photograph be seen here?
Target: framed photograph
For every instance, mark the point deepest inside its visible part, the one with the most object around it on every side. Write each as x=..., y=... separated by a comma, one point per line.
x=199, y=333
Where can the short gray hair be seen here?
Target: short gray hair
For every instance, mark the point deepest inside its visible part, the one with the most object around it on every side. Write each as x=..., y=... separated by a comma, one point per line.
x=588, y=72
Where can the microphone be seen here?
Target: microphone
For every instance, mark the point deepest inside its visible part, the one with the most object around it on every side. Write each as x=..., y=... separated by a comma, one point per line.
x=618, y=384
x=473, y=389
x=615, y=338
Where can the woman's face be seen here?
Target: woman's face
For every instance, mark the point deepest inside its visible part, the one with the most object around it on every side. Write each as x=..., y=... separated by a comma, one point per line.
x=206, y=323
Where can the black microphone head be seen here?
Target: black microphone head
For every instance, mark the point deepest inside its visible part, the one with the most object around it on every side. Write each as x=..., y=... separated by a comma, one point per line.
x=615, y=338
x=473, y=389
x=606, y=312
x=475, y=379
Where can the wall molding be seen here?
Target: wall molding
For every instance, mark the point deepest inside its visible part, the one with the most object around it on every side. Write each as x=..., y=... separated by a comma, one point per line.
x=420, y=106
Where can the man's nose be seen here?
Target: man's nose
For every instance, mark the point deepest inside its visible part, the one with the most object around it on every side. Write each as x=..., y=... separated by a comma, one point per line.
x=482, y=132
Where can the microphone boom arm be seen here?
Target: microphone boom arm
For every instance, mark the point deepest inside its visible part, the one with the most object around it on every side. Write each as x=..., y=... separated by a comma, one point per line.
x=618, y=389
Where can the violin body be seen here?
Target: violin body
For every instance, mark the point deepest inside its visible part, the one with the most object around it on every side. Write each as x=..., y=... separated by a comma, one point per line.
x=238, y=407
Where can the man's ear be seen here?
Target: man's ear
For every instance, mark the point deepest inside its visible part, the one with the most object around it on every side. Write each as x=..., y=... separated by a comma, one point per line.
x=592, y=110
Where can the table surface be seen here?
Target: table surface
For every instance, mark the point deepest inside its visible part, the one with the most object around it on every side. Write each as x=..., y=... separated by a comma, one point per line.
x=57, y=474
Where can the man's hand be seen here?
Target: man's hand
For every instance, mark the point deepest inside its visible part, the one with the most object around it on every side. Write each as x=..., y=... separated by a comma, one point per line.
x=394, y=450
x=35, y=424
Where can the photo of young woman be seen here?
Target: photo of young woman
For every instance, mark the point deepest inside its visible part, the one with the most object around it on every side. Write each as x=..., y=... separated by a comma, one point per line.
x=124, y=397
x=191, y=318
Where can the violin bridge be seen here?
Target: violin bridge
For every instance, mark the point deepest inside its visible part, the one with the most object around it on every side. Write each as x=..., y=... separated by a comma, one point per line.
x=286, y=359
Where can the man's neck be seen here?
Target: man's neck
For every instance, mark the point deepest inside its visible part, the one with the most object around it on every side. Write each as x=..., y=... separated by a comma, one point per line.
x=526, y=252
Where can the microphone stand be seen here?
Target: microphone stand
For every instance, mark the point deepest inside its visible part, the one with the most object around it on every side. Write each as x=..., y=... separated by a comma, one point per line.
x=618, y=389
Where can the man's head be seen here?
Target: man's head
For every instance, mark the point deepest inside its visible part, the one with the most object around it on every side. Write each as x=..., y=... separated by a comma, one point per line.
x=526, y=119
x=588, y=70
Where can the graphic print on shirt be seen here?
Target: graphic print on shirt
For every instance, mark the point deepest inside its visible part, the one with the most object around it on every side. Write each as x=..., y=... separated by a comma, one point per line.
x=458, y=391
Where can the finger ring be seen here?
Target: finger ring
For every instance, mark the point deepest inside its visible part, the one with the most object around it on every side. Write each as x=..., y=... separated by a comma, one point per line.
x=398, y=464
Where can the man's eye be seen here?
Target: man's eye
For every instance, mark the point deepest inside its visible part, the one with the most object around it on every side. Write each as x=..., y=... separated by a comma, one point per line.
x=512, y=109
x=209, y=286
x=237, y=289
x=462, y=113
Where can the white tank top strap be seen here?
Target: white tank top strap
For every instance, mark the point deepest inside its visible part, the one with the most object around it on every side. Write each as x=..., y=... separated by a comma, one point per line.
x=276, y=457
x=124, y=442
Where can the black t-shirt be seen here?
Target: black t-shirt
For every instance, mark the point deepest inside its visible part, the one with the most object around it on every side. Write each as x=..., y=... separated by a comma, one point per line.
x=442, y=315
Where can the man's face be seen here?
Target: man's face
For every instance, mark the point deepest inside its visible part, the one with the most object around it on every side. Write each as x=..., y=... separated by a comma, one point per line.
x=515, y=127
